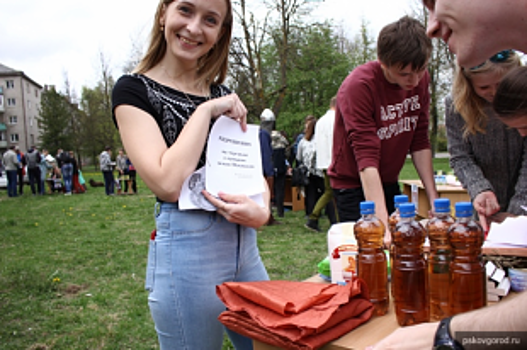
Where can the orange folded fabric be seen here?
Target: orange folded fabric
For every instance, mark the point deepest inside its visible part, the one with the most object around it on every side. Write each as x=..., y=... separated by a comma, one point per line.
x=294, y=315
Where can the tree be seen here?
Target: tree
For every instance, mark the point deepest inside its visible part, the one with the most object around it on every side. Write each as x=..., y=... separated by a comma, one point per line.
x=54, y=120
x=246, y=59
x=363, y=48
x=247, y=52
x=317, y=68
x=440, y=68
x=98, y=129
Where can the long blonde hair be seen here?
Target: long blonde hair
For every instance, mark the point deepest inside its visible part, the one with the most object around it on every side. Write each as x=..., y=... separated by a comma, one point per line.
x=470, y=106
x=212, y=67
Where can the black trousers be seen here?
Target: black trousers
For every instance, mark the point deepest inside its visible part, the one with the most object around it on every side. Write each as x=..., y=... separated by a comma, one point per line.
x=34, y=177
x=348, y=201
x=279, y=193
x=313, y=192
x=108, y=182
x=132, y=174
x=20, y=174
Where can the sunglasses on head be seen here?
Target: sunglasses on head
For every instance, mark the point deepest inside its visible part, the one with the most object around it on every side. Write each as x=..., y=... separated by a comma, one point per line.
x=501, y=56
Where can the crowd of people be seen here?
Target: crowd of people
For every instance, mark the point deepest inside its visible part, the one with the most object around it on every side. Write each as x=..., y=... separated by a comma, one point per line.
x=165, y=108
x=43, y=171
x=61, y=174
x=176, y=92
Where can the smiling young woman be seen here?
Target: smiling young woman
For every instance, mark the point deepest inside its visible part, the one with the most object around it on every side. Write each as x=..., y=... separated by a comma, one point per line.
x=164, y=112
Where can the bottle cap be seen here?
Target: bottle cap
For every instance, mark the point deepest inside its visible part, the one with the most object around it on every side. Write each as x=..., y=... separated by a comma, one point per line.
x=463, y=209
x=400, y=198
x=367, y=207
x=442, y=205
x=407, y=210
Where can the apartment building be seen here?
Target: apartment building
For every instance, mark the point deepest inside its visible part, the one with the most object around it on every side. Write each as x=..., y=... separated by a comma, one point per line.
x=19, y=109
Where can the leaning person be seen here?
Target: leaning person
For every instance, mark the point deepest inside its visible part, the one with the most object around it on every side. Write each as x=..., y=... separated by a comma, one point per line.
x=496, y=181
x=510, y=103
x=382, y=115
x=164, y=112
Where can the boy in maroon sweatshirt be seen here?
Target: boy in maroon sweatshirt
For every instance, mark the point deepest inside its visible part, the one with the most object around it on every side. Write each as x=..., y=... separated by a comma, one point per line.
x=382, y=115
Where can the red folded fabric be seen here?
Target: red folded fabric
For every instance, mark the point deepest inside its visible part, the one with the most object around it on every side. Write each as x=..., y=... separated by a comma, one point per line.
x=294, y=315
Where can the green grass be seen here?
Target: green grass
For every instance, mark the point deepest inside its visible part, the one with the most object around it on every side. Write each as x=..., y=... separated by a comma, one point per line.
x=72, y=268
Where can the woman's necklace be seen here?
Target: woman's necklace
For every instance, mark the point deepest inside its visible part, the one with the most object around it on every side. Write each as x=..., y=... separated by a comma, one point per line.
x=207, y=97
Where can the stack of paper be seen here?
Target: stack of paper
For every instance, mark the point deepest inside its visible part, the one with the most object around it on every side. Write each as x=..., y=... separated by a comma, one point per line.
x=511, y=233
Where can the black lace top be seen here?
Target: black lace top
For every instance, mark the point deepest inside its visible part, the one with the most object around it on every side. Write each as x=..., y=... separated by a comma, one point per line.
x=169, y=107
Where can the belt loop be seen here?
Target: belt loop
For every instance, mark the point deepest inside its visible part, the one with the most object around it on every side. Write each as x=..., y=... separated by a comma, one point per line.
x=157, y=209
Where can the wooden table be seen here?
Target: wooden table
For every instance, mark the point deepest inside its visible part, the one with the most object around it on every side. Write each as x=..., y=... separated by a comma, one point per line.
x=369, y=333
x=415, y=191
x=293, y=197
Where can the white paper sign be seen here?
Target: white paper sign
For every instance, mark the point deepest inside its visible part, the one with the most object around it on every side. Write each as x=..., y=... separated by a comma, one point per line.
x=234, y=163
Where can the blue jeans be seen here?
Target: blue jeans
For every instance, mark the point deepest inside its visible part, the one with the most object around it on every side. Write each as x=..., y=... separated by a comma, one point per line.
x=67, y=176
x=109, y=182
x=193, y=252
x=11, y=182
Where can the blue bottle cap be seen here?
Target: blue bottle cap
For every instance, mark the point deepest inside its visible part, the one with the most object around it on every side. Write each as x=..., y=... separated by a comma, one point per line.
x=407, y=210
x=367, y=207
x=400, y=198
x=442, y=205
x=463, y=209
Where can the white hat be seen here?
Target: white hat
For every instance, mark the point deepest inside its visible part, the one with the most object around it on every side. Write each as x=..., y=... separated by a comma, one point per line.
x=267, y=115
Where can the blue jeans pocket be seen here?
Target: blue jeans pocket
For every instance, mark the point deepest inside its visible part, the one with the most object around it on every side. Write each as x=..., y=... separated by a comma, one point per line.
x=151, y=266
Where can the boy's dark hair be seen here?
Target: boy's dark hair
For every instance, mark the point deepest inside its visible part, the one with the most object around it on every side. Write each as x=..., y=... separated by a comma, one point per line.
x=404, y=43
x=510, y=100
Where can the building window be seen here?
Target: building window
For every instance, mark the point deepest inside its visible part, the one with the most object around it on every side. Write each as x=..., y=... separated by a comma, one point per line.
x=32, y=138
x=30, y=121
x=2, y=136
x=10, y=84
x=13, y=119
x=36, y=92
x=11, y=101
x=14, y=137
x=29, y=105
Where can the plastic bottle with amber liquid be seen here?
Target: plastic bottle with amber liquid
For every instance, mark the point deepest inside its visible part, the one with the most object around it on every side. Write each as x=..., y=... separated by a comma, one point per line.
x=439, y=259
x=409, y=271
x=468, y=287
x=371, y=262
x=393, y=219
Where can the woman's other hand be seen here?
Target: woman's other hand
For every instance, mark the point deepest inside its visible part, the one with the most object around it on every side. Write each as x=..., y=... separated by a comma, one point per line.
x=239, y=209
x=486, y=204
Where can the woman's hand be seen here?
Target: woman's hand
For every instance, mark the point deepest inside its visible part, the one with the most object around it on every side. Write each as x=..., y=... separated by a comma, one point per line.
x=230, y=106
x=239, y=209
x=486, y=204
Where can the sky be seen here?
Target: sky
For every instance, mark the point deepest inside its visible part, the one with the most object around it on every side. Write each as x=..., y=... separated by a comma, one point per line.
x=57, y=40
